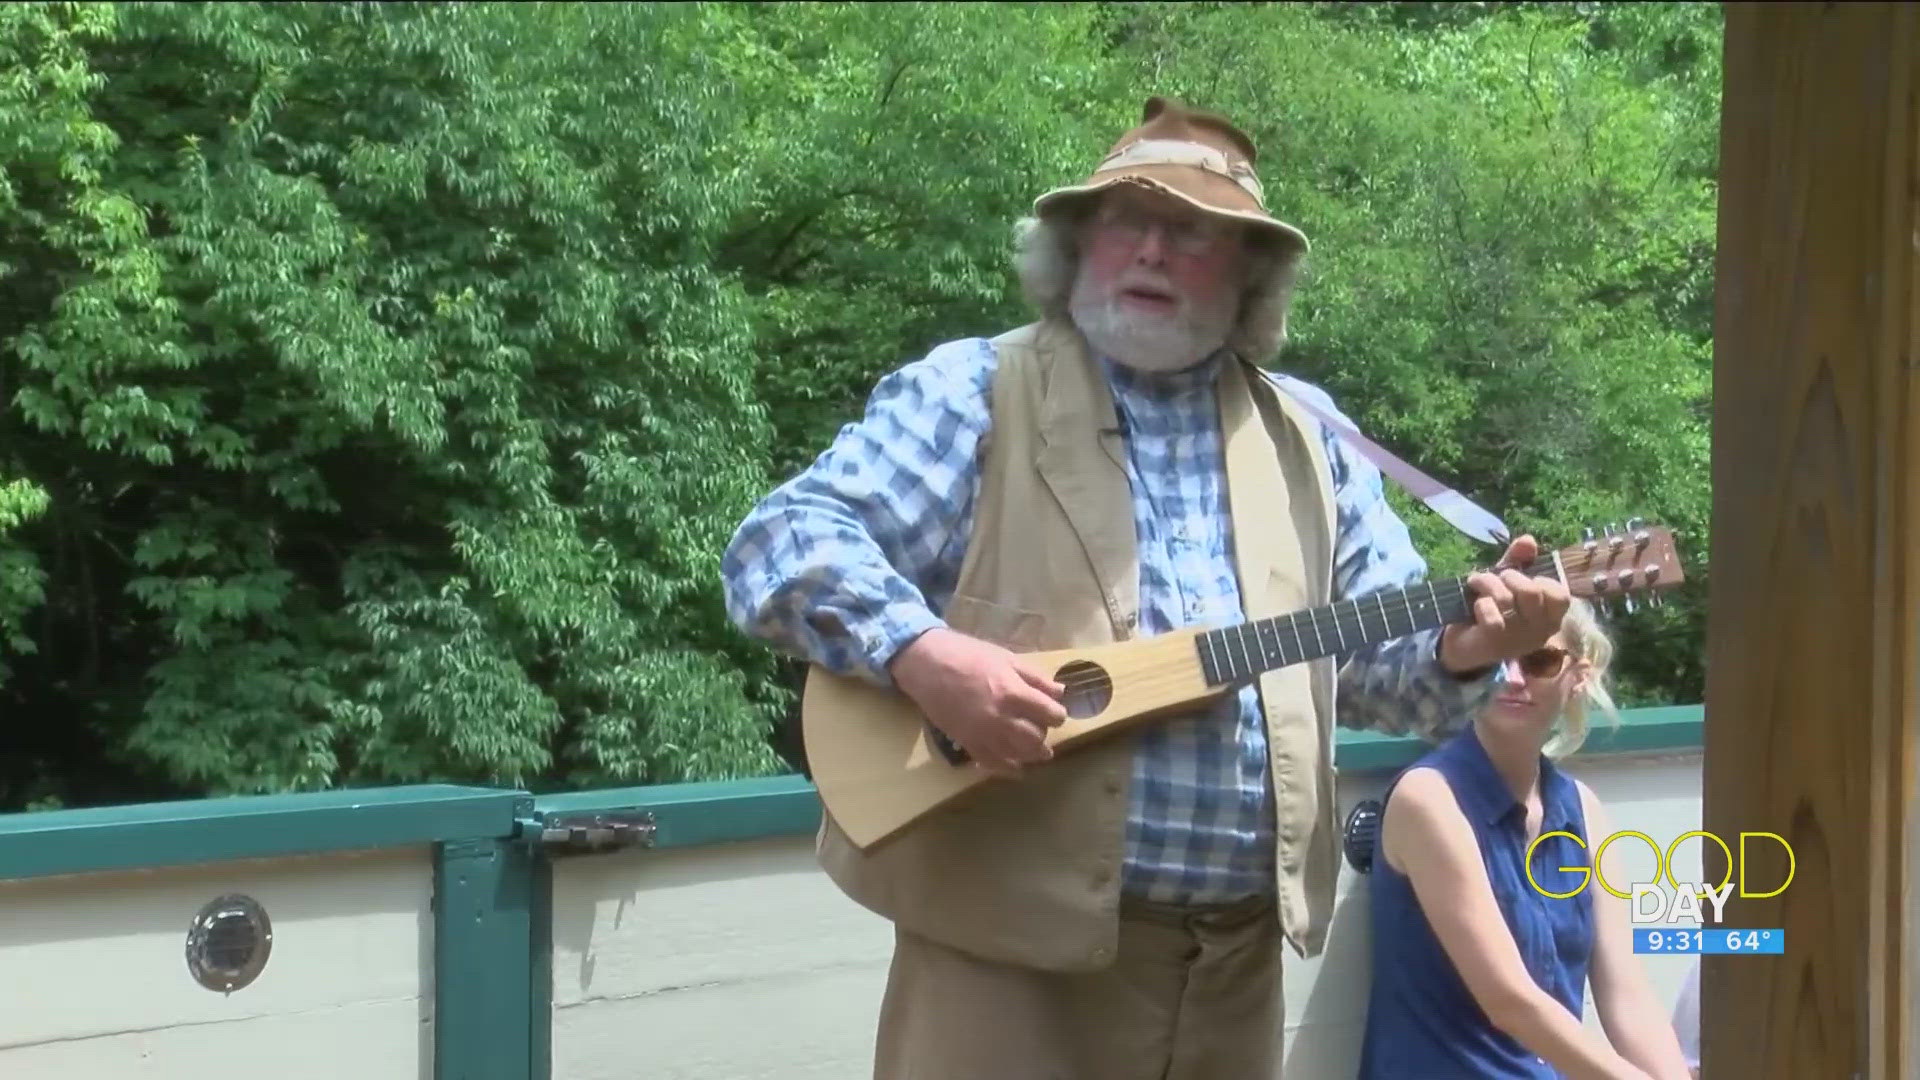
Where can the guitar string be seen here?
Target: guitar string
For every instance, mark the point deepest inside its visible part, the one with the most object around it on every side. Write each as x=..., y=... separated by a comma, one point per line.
x=1454, y=588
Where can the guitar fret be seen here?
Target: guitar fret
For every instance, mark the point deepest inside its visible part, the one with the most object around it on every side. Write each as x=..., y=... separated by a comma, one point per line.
x=1233, y=654
x=1252, y=647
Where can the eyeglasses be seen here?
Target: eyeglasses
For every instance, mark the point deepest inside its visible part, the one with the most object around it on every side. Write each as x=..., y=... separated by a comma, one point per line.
x=1544, y=662
x=1188, y=236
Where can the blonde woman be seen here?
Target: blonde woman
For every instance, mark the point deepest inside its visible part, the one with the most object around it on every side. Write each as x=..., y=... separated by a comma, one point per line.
x=1476, y=973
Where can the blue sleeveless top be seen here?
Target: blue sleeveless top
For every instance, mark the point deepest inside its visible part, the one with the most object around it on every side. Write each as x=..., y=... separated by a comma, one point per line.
x=1422, y=1022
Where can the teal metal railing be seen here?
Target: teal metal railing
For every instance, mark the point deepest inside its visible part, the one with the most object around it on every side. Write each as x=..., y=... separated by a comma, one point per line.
x=492, y=875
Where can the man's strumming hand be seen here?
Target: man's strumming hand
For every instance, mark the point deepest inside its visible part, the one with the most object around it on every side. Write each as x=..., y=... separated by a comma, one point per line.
x=992, y=702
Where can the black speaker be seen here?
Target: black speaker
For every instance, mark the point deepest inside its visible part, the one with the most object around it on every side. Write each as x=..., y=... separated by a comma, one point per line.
x=1363, y=832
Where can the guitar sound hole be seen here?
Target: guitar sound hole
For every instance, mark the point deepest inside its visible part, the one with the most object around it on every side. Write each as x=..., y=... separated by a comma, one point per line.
x=1089, y=689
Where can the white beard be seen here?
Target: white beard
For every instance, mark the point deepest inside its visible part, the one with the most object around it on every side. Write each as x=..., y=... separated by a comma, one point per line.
x=1150, y=342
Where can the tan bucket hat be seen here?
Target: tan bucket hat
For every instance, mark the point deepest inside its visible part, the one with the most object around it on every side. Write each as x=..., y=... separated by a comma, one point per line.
x=1198, y=157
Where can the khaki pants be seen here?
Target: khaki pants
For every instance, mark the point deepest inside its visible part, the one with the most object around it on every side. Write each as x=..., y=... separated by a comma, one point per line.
x=1193, y=995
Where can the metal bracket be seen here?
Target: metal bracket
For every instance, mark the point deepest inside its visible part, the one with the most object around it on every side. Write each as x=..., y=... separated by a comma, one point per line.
x=597, y=832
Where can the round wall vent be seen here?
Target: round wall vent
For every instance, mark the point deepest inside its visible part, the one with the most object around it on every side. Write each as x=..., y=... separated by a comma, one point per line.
x=228, y=943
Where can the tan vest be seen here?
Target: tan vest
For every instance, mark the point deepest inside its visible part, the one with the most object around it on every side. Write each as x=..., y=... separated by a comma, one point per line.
x=1029, y=872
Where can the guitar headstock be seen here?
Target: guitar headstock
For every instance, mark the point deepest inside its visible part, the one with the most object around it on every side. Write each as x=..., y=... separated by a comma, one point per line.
x=1622, y=563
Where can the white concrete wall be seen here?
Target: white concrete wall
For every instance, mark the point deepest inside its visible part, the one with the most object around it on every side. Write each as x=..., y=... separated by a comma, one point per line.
x=743, y=962
x=94, y=982
x=719, y=963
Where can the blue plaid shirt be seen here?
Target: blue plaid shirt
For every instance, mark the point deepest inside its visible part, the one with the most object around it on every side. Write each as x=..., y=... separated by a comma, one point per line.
x=853, y=558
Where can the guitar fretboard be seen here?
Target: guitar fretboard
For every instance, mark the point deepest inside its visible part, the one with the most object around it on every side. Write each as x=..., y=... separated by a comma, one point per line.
x=1234, y=654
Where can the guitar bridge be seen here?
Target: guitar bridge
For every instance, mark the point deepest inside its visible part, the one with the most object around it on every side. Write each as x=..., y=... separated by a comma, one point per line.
x=948, y=749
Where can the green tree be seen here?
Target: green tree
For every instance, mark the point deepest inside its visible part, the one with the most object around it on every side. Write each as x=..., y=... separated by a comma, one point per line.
x=393, y=424
x=891, y=155
x=1511, y=280
x=381, y=383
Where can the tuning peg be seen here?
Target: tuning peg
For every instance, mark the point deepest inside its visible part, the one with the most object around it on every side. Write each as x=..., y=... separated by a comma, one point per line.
x=1638, y=527
x=1587, y=538
x=1614, y=535
x=1656, y=600
x=1628, y=601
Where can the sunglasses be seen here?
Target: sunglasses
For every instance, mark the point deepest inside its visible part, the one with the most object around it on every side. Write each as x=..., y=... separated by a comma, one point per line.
x=1544, y=662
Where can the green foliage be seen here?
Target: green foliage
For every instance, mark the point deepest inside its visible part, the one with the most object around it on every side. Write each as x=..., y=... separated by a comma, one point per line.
x=1511, y=280
x=891, y=156
x=381, y=382
x=423, y=419
x=22, y=580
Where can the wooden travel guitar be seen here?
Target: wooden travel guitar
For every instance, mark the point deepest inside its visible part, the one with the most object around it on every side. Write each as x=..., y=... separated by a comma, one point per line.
x=880, y=765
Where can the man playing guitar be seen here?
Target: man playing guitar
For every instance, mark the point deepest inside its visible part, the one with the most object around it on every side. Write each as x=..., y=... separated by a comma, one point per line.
x=1120, y=468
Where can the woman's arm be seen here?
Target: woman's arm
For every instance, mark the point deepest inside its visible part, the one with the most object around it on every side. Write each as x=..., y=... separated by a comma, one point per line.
x=1686, y=1020
x=1633, y=1018
x=1427, y=838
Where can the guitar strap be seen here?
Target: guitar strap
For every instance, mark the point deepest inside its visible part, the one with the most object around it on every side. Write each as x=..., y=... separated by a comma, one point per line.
x=1461, y=512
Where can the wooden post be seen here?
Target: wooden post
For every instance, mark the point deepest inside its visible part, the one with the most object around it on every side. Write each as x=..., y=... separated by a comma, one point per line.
x=1815, y=562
